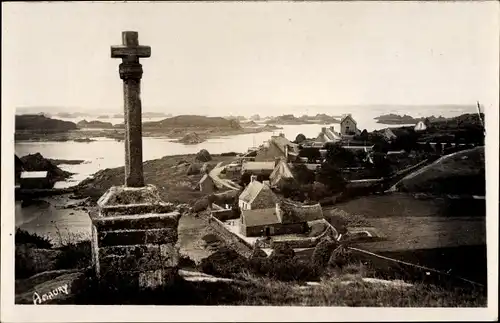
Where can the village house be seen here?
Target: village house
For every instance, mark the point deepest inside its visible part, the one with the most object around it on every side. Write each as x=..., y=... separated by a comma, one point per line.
x=388, y=134
x=261, y=169
x=35, y=180
x=420, y=126
x=328, y=135
x=206, y=184
x=256, y=196
x=281, y=173
x=284, y=218
x=348, y=126
x=277, y=147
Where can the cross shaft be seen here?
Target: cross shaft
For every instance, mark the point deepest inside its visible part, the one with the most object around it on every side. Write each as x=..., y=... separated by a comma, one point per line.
x=131, y=73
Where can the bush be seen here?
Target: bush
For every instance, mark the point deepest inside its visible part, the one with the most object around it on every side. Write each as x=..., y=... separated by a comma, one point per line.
x=303, y=175
x=186, y=262
x=285, y=269
x=25, y=237
x=75, y=255
x=331, y=177
x=300, y=138
x=224, y=263
x=340, y=257
x=322, y=252
x=203, y=156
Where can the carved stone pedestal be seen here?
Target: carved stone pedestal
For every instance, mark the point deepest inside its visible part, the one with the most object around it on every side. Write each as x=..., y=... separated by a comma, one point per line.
x=134, y=235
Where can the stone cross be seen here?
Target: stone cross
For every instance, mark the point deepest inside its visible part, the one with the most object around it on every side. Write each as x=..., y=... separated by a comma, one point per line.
x=131, y=73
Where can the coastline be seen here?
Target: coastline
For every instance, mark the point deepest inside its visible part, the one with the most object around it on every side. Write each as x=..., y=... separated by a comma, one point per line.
x=89, y=134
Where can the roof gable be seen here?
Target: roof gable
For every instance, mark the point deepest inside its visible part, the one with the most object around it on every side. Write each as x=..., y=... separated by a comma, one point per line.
x=348, y=116
x=282, y=170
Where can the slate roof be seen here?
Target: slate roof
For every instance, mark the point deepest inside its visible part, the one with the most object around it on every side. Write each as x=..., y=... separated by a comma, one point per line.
x=252, y=190
x=280, y=171
x=344, y=117
x=281, y=142
x=260, y=217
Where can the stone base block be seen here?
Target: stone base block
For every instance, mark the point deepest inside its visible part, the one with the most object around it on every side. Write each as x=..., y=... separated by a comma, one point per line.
x=122, y=200
x=139, y=280
x=134, y=238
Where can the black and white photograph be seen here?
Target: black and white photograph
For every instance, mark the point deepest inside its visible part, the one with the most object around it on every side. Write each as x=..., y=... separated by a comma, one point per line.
x=257, y=160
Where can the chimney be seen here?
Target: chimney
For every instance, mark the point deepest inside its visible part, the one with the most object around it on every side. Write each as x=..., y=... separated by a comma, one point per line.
x=323, y=130
x=282, y=134
x=253, y=178
x=276, y=161
x=278, y=212
x=332, y=128
x=286, y=152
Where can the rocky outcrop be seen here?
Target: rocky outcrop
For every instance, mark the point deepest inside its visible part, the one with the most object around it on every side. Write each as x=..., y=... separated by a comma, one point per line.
x=191, y=138
x=95, y=124
x=36, y=162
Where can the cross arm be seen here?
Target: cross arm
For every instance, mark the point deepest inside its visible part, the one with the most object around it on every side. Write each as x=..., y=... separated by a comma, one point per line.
x=122, y=51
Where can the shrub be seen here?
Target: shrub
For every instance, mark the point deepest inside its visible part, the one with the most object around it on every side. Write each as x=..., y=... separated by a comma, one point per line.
x=340, y=257
x=203, y=156
x=322, y=252
x=75, y=255
x=300, y=138
x=225, y=263
x=331, y=177
x=303, y=175
x=186, y=262
x=25, y=237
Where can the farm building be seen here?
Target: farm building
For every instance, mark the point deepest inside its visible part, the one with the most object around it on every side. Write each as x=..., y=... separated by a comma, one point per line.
x=277, y=147
x=257, y=196
x=348, y=126
x=35, y=180
x=282, y=219
x=280, y=173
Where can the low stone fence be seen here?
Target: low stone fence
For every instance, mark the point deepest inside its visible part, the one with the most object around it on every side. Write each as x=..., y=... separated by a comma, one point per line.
x=238, y=244
x=309, y=242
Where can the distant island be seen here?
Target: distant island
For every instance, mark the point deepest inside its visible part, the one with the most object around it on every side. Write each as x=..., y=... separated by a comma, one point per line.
x=94, y=124
x=290, y=119
x=41, y=123
x=405, y=119
x=187, y=129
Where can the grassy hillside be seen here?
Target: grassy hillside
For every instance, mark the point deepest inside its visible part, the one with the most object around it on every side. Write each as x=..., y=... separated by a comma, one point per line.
x=459, y=173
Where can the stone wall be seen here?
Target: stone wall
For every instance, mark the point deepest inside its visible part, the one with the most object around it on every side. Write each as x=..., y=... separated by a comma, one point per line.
x=239, y=245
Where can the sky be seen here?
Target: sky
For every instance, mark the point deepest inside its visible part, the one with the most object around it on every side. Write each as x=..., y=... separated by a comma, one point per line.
x=213, y=56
